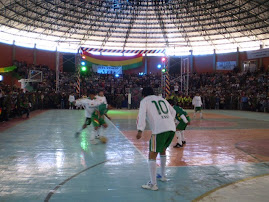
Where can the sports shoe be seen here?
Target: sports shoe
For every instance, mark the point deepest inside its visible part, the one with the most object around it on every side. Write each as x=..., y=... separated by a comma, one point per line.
x=150, y=186
x=183, y=142
x=163, y=179
x=178, y=145
x=77, y=134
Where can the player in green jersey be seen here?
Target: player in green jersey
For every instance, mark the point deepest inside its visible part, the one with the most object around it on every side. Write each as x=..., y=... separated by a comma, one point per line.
x=98, y=120
x=182, y=120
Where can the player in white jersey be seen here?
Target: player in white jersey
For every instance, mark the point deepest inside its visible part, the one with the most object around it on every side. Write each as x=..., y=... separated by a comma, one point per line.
x=102, y=100
x=101, y=97
x=197, y=103
x=160, y=116
x=71, y=100
x=90, y=105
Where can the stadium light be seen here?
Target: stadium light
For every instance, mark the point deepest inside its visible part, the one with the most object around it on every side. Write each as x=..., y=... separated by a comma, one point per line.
x=117, y=75
x=83, y=57
x=1, y=78
x=159, y=66
x=163, y=59
x=163, y=70
x=83, y=68
x=83, y=63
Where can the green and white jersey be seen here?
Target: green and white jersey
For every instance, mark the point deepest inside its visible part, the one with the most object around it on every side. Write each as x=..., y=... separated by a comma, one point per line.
x=101, y=99
x=102, y=108
x=182, y=115
x=89, y=105
x=158, y=113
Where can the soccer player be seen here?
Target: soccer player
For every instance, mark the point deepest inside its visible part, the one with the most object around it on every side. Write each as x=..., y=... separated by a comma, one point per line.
x=182, y=120
x=197, y=103
x=71, y=100
x=102, y=99
x=90, y=105
x=160, y=116
x=98, y=120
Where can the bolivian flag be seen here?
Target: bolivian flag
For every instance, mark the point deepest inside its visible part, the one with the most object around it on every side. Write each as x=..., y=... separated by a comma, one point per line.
x=127, y=62
x=7, y=69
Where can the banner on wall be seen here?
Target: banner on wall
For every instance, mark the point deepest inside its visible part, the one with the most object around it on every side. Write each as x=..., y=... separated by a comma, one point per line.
x=107, y=69
x=228, y=65
x=126, y=62
x=7, y=69
x=258, y=53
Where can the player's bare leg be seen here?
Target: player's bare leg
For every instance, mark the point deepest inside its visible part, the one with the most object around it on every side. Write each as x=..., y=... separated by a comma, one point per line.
x=201, y=115
x=82, y=128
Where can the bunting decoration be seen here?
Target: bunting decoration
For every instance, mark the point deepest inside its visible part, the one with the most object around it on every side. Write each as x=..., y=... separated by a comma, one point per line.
x=127, y=62
x=101, y=50
x=7, y=69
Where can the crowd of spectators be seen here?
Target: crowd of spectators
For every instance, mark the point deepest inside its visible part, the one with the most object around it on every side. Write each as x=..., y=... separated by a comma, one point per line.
x=243, y=90
x=232, y=90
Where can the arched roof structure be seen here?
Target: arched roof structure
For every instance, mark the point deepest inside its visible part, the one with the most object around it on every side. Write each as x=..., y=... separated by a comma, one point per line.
x=175, y=25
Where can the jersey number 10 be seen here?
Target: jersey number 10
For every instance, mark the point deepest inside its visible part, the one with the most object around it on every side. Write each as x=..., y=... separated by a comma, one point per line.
x=160, y=105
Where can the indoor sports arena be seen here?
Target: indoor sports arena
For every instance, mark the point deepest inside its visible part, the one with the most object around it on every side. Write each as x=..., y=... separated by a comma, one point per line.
x=134, y=100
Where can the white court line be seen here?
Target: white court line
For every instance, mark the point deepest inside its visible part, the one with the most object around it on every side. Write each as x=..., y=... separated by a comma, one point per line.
x=127, y=139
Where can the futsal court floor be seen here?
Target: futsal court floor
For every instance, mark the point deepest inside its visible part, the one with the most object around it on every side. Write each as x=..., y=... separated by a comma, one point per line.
x=226, y=158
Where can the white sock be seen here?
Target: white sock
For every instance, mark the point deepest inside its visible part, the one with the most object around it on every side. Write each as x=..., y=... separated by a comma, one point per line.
x=179, y=140
x=152, y=171
x=201, y=115
x=93, y=134
x=182, y=135
x=81, y=129
x=101, y=131
x=163, y=164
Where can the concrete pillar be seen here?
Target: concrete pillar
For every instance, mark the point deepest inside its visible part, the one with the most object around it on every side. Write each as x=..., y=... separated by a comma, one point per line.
x=260, y=59
x=146, y=64
x=214, y=60
x=13, y=52
x=238, y=58
x=191, y=61
x=57, y=70
x=34, y=62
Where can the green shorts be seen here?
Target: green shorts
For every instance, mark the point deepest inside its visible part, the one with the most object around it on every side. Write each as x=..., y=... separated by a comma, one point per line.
x=160, y=141
x=181, y=126
x=198, y=109
x=88, y=121
x=97, y=121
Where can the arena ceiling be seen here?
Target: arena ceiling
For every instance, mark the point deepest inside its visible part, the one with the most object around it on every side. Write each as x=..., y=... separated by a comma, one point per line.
x=175, y=25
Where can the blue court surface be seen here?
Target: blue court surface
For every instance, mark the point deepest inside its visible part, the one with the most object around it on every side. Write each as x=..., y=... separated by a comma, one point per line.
x=41, y=160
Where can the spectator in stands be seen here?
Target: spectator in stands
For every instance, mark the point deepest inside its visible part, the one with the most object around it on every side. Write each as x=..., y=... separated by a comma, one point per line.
x=71, y=100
